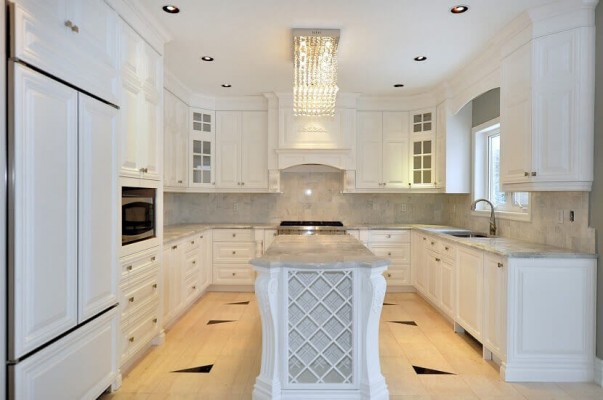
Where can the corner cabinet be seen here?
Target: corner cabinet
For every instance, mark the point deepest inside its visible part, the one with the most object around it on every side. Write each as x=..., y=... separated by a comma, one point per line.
x=242, y=149
x=175, y=143
x=547, y=108
x=382, y=143
x=141, y=107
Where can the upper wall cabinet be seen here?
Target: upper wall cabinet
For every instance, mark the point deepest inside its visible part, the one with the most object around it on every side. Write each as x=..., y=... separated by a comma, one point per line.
x=74, y=40
x=141, y=107
x=453, y=149
x=175, y=123
x=201, y=155
x=242, y=150
x=382, y=143
x=547, y=103
x=422, y=149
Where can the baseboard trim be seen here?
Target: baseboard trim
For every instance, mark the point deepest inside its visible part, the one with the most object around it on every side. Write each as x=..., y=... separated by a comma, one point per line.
x=599, y=371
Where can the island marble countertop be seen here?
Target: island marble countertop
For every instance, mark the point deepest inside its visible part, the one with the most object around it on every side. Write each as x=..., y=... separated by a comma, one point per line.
x=318, y=251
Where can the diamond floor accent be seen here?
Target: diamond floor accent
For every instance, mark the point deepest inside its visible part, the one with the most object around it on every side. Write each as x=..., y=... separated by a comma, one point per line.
x=203, y=369
x=218, y=321
x=413, y=323
x=389, y=304
x=429, y=371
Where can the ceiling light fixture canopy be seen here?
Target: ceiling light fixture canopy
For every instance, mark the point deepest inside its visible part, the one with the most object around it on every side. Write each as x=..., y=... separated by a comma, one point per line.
x=315, y=71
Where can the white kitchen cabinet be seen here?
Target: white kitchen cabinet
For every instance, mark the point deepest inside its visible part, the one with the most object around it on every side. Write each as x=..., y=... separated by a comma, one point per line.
x=395, y=245
x=64, y=265
x=205, y=258
x=75, y=40
x=547, y=107
x=422, y=158
x=175, y=143
x=141, y=107
x=495, y=305
x=242, y=149
x=173, y=263
x=448, y=286
x=231, y=252
x=382, y=142
x=140, y=302
x=84, y=354
x=469, y=292
x=419, y=261
x=202, y=148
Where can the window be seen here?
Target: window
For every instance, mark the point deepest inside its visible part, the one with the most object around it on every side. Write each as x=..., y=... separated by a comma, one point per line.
x=512, y=205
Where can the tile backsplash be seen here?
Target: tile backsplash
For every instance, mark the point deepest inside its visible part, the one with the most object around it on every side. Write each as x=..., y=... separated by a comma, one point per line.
x=317, y=196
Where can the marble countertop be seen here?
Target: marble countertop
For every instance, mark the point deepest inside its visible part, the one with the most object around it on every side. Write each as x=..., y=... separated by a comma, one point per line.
x=318, y=251
x=504, y=246
x=176, y=232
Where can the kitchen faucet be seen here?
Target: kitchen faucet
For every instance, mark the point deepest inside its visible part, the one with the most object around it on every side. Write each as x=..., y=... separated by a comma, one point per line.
x=492, y=220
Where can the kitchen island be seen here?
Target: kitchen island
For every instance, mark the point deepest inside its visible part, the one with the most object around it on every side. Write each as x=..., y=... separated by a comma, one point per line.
x=320, y=300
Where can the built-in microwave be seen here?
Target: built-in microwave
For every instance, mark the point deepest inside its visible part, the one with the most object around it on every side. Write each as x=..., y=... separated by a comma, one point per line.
x=138, y=217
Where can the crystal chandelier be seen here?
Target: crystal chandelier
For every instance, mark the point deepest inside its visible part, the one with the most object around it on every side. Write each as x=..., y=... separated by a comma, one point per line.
x=315, y=71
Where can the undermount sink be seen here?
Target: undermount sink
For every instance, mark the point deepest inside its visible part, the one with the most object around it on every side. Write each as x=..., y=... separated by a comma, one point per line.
x=466, y=234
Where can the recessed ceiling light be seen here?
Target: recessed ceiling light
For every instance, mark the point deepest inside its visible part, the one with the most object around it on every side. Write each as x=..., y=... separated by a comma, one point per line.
x=459, y=9
x=171, y=9
x=420, y=58
x=226, y=85
x=207, y=58
x=398, y=85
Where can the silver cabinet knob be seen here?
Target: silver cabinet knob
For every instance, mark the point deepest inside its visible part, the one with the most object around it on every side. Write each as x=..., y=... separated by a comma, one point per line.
x=526, y=173
x=153, y=258
x=154, y=286
x=131, y=299
x=131, y=340
x=234, y=235
x=234, y=252
x=129, y=268
x=389, y=253
x=500, y=265
x=437, y=259
x=533, y=173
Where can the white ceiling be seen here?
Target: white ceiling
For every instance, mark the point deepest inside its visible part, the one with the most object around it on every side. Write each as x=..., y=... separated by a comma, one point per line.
x=252, y=44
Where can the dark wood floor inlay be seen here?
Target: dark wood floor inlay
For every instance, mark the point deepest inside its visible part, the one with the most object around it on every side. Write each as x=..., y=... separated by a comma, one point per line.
x=413, y=323
x=429, y=371
x=389, y=304
x=203, y=369
x=217, y=321
x=238, y=303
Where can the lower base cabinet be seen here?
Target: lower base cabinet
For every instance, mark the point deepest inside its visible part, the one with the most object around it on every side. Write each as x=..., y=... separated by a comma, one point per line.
x=469, y=291
x=395, y=245
x=77, y=366
x=232, y=250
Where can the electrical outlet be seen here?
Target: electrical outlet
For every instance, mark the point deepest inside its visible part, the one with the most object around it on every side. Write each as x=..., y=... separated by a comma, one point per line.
x=403, y=207
x=572, y=216
x=559, y=216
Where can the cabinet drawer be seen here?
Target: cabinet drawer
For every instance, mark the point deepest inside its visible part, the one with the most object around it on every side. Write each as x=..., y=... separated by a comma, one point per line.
x=399, y=254
x=233, y=275
x=140, y=331
x=191, y=263
x=190, y=243
x=447, y=250
x=140, y=262
x=135, y=296
x=191, y=287
x=233, y=235
x=225, y=252
x=389, y=236
x=399, y=276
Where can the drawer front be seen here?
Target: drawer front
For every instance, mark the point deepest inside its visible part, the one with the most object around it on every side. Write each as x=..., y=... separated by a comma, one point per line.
x=136, y=296
x=447, y=250
x=397, y=277
x=192, y=262
x=140, y=262
x=140, y=331
x=233, y=235
x=191, y=287
x=190, y=243
x=233, y=275
x=399, y=254
x=238, y=253
x=389, y=236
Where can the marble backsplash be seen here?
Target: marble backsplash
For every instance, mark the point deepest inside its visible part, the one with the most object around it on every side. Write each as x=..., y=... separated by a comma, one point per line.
x=317, y=196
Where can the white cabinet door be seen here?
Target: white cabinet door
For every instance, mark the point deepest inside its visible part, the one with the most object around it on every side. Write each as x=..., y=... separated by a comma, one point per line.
x=141, y=107
x=254, y=146
x=395, y=150
x=44, y=199
x=98, y=207
x=495, y=304
x=433, y=277
x=516, y=115
x=447, y=288
x=205, y=259
x=370, y=150
x=469, y=293
x=228, y=149
x=173, y=259
x=202, y=148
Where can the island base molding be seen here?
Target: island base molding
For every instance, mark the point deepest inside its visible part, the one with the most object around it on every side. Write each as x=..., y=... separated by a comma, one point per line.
x=546, y=372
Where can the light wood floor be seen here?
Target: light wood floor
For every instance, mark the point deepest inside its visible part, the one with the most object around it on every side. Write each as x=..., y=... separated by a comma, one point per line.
x=234, y=350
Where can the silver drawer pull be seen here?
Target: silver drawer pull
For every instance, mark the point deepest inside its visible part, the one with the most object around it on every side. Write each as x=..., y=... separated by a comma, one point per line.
x=180, y=181
x=131, y=299
x=424, y=238
x=234, y=273
x=526, y=173
x=129, y=268
x=153, y=258
x=234, y=235
x=192, y=242
x=194, y=262
x=131, y=339
x=194, y=287
x=154, y=320
x=389, y=253
x=154, y=286
x=234, y=252
x=533, y=173
x=500, y=265
x=437, y=259
x=389, y=275
x=69, y=24
x=201, y=237
x=174, y=247
x=432, y=243
x=446, y=248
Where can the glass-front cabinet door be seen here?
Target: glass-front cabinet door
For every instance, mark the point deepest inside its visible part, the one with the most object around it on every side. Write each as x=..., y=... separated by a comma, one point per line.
x=202, y=151
x=422, y=149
